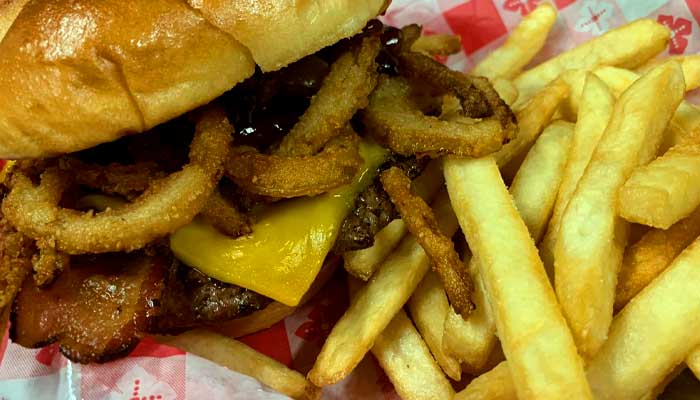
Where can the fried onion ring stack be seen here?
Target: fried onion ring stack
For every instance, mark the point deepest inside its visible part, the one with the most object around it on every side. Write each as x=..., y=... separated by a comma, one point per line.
x=129, y=195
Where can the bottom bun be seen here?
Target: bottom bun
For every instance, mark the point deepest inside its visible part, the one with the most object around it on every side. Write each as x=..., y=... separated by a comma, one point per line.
x=276, y=311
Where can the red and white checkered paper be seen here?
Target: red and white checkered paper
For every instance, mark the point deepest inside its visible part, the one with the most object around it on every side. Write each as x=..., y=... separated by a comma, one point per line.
x=157, y=372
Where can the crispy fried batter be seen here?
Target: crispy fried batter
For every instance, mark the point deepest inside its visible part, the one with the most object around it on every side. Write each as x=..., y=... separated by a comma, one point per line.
x=16, y=252
x=47, y=264
x=421, y=222
x=394, y=120
x=345, y=90
x=166, y=205
x=125, y=180
x=225, y=216
x=278, y=176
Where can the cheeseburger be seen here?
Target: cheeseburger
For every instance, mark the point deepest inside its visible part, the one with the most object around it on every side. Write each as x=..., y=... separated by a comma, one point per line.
x=182, y=163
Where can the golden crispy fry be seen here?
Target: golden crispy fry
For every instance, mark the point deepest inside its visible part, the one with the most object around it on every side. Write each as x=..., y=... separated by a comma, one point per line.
x=421, y=222
x=363, y=263
x=442, y=45
x=523, y=43
x=690, y=65
x=35, y=211
x=345, y=90
x=472, y=340
x=616, y=79
x=684, y=124
x=532, y=119
x=684, y=127
x=593, y=116
x=651, y=255
x=395, y=121
x=225, y=216
x=281, y=176
x=529, y=323
x=497, y=384
x=661, y=386
x=693, y=361
x=429, y=307
x=628, y=46
x=405, y=358
x=238, y=357
x=652, y=335
x=377, y=303
x=591, y=238
x=534, y=188
x=506, y=90
x=664, y=191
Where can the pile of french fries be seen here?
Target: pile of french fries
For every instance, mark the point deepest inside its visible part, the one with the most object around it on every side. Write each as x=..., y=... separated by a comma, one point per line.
x=586, y=268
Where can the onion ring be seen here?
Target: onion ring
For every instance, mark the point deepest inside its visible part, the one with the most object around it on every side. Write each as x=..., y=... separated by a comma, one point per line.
x=47, y=264
x=285, y=177
x=16, y=252
x=124, y=180
x=478, y=98
x=225, y=216
x=165, y=206
x=437, y=45
x=345, y=90
x=394, y=120
x=421, y=222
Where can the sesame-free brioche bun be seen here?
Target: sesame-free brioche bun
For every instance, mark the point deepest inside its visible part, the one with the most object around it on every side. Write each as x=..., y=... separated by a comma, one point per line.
x=77, y=73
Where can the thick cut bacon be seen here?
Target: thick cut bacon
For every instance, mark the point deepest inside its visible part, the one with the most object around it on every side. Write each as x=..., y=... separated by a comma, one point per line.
x=97, y=311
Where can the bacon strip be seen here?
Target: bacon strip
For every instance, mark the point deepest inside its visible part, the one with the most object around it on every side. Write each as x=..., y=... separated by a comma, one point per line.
x=97, y=311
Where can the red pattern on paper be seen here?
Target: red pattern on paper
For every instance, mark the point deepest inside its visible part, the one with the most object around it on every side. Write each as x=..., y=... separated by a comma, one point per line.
x=321, y=320
x=477, y=22
x=680, y=28
x=694, y=7
x=150, y=348
x=563, y=3
x=272, y=342
x=524, y=7
x=46, y=355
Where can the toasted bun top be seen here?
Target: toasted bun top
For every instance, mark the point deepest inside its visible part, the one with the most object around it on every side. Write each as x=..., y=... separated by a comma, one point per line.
x=77, y=73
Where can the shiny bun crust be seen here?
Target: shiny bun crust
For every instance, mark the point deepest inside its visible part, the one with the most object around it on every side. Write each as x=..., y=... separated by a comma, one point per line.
x=77, y=73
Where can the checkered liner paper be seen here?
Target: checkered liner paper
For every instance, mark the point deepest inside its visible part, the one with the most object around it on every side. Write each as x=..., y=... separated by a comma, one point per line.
x=157, y=372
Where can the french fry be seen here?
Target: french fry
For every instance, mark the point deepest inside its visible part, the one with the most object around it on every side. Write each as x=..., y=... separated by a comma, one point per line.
x=593, y=116
x=693, y=361
x=653, y=334
x=628, y=46
x=429, y=307
x=532, y=119
x=524, y=42
x=534, y=188
x=684, y=128
x=659, y=388
x=664, y=191
x=363, y=263
x=651, y=255
x=377, y=303
x=238, y=357
x=405, y=358
x=443, y=45
x=591, y=238
x=472, y=340
x=529, y=322
x=690, y=65
x=506, y=89
x=497, y=384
